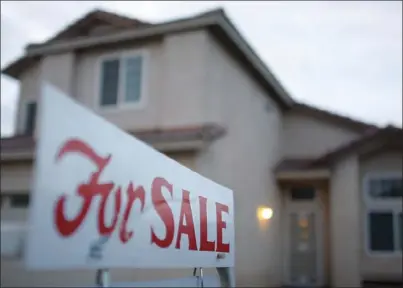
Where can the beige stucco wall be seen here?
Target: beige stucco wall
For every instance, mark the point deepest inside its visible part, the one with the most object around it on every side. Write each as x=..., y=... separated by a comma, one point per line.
x=345, y=224
x=243, y=160
x=174, y=92
x=379, y=267
x=305, y=136
x=192, y=80
x=174, y=89
x=59, y=70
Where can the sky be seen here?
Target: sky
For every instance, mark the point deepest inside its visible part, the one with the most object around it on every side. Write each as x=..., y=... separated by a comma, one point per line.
x=345, y=57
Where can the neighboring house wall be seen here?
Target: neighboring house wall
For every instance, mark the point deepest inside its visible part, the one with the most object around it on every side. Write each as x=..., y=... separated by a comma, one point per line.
x=345, y=224
x=243, y=160
x=16, y=176
x=385, y=265
x=305, y=136
x=15, y=180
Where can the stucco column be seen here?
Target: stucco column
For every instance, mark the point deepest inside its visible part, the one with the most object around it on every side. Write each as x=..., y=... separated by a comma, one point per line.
x=345, y=224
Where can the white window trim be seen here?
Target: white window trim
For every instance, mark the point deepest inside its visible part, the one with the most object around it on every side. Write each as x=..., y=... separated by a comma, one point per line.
x=122, y=105
x=380, y=205
x=379, y=175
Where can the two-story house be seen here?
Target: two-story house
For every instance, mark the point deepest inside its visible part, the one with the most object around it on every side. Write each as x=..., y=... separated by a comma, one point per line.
x=195, y=90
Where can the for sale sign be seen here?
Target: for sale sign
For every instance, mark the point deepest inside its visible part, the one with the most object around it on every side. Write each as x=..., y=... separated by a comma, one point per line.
x=103, y=199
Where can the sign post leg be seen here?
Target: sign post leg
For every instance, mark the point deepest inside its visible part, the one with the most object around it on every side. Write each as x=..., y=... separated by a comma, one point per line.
x=226, y=277
x=199, y=277
x=102, y=278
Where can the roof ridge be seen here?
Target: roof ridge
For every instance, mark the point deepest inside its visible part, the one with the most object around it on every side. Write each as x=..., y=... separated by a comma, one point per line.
x=107, y=13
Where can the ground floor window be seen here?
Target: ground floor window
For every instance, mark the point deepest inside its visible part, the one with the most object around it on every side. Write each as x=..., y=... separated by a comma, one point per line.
x=14, y=200
x=385, y=231
x=383, y=194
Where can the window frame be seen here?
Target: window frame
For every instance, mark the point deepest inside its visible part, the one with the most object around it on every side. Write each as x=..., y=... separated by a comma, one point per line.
x=372, y=205
x=121, y=103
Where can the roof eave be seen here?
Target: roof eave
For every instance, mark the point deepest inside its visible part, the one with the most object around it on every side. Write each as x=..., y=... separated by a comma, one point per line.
x=307, y=174
x=382, y=137
x=350, y=123
x=182, y=139
x=132, y=34
x=16, y=68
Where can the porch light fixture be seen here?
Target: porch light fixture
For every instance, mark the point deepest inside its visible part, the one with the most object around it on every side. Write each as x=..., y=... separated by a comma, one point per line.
x=264, y=213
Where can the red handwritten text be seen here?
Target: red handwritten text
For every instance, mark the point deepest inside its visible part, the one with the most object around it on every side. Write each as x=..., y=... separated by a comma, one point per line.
x=87, y=191
x=92, y=187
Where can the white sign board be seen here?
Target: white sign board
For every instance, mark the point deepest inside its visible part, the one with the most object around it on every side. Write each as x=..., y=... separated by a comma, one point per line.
x=103, y=199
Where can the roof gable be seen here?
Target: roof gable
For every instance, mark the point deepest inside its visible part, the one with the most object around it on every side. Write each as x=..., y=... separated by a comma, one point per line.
x=214, y=20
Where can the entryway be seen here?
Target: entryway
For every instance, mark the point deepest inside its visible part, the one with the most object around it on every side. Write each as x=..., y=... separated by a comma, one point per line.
x=304, y=237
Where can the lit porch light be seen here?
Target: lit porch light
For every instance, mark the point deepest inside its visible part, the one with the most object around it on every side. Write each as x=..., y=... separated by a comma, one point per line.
x=264, y=213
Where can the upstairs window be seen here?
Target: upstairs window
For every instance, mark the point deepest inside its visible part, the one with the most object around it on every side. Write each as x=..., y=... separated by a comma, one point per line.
x=383, y=194
x=121, y=81
x=30, y=118
x=386, y=188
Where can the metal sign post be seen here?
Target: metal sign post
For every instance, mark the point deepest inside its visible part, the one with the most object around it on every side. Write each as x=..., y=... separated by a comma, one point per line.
x=102, y=278
x=199, y=277
x=224, y=274
x=226, y=277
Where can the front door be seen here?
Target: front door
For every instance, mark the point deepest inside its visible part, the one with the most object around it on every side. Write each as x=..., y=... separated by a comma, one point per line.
x=304, y=263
